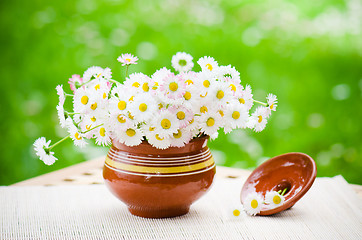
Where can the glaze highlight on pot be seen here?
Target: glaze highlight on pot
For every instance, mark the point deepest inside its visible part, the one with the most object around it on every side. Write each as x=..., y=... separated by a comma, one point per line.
x=157, y=183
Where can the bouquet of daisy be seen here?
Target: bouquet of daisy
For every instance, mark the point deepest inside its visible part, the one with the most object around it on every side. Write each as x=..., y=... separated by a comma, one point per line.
x=166, y=109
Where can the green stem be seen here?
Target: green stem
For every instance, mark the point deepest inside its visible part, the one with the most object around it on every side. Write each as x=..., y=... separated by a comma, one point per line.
x=68, y=95
x=113, y=81
x=127, y=66
x=264, y=104
x=285, y=189
x=60, y=141
x=93, y=128
x=71, y=113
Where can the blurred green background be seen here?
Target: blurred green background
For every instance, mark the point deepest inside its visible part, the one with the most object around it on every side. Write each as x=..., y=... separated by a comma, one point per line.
x=306, y=52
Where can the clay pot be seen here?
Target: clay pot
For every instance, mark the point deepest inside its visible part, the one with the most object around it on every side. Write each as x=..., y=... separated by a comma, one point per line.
x=294, y=171
x=156, y=183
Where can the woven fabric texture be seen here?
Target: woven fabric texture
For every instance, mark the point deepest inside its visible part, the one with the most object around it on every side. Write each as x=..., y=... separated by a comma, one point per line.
x=330, y=210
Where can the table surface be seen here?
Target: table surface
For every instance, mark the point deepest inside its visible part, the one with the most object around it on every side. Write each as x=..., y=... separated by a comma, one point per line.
x=90, y=172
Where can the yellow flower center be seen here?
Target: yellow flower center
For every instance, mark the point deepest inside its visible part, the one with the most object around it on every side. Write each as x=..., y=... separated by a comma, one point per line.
x=104, y=95
x=277, y=199
x=241, y=100
x=178, y=134
x=260, y=118
x=236, y=212
x=94, y=106
x=130, y=132
x=145, y=87
x=173, y=86
x=121, y=119
x=96, y=87
x=128, y=60
x=203, y=109
x=165, y=123
x=131, y=99
x=122, y=105
x=160, y=105
x=204, y=95
x=221, y=113
x=209, y=66
x=271, y=106
x=136, y=84
x=189, y=82
x=206, y=83
x=143, y=107
x=99, y=74
x=84, y=100
x=152, y=129
x=191, y=121
x=187, y=95
x=158, y=137
x=233, y=88
x=235, y=115
x=181, y=115
x=210, y=122
x=220, y=94
x=102, y=132
x=93, y=119
x=254, y=204
x=76, y=135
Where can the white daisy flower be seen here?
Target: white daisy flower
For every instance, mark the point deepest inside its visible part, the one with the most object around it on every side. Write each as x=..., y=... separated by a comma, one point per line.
x=61, y=116
x=207, y=64
x=182, y=137
x=97, y=72
x=75, y=134
x=245, y=97
x=166, y=123
x=157, y=141
x=210, y=122
x=136, y=81
x=120, y=100
x=127, y=59
x=202, y=106
x=220, y=94
x=236, y=116
x=228, y=72
x=143, y=107
x=183, y=114
x=193, y=126
x=88, y=122
x=61, y=94
x=272, y=102
x=253, y=203
x=159, y=76
x=103, y=136
x=274, y=199
x=172, y=88
x=182, y=62
x=82, y=100
x=258, y=119
x=41, y=147
x=190, y=77
x=205, y=81
x=131, y=136
x=75, y=81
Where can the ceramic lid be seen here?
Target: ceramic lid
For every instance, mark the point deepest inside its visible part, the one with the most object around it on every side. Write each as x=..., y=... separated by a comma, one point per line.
x=294, y=171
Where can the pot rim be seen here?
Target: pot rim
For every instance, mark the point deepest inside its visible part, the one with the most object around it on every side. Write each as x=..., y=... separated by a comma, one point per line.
x=196, y=144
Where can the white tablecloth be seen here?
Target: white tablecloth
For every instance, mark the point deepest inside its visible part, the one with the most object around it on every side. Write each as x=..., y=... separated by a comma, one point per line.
x=330, y=210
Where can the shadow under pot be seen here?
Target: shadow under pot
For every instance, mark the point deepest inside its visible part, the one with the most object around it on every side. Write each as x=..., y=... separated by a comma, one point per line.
x=156, y=183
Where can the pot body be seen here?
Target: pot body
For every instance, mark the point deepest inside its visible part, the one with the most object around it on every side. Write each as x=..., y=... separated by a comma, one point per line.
x=156, y=183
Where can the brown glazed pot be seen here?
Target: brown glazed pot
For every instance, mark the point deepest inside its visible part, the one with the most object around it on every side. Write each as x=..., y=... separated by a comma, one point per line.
x=294, y=171
x=156, y=183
